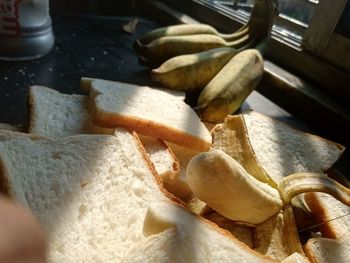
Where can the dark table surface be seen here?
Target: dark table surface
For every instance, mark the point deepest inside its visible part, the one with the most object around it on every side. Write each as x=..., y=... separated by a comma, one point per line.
x=98, y=47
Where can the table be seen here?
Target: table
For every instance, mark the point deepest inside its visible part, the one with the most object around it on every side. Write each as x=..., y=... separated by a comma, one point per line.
x=98, y=47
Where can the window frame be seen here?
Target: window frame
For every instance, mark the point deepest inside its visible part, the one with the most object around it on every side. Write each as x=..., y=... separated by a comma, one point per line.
x=320, y=38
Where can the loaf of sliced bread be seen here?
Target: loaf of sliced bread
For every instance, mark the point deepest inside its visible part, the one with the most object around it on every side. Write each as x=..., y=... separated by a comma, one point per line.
x=175, y=235
x=148, y=111
x=90, y=192
x=325, y=250
x=278, y=148
x=332, y=216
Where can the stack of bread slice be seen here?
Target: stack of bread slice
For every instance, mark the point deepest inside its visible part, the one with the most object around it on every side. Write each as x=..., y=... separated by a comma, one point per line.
x=92, y=192
x=105, y=174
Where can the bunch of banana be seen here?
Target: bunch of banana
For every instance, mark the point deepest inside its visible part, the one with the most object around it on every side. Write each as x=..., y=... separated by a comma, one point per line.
x=220, y=181
x=227, y=67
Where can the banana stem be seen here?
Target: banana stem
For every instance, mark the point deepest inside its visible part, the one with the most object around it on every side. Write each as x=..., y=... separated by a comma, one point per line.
x=240, y=42
x=236, y=35
x=298, y=183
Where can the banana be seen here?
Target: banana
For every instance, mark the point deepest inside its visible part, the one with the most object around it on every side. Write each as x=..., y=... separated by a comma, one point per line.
x=189, y=29
x=225, y=93
x=193, y=71
x=167, y=47
x=220, y=181
x=298, y=183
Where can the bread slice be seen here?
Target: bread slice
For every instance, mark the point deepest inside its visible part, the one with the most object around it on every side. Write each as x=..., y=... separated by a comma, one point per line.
x=324, y=250
x=179, y=186
x=280, y=149
x=162, y=157
x=295, y=258
x=90, y=192
x=54, y=114
x=148, y=111
x=242, y=232
x=332, y=216
x=283, y=150
x=278, y=236
x=175, y=235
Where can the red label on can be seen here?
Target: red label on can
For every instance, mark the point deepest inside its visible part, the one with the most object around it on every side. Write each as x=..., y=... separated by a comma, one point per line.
x=9, y=22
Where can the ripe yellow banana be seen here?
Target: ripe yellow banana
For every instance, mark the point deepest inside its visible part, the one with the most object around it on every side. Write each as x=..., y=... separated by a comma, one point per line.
x=220, y=181
x=225, y=93
x=193, y=71
x=189, y=29
x=167, y=47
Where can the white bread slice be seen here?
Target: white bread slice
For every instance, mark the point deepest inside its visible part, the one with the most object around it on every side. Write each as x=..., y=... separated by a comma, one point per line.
x=148, y=111
x=165, y=163
x=179, y=186
x=325, y=250
x=296, y=258
x=176, y=235
x=54, y=114
x=332, y=216
x=280, y=149
x=90, y=192
x=283, y=150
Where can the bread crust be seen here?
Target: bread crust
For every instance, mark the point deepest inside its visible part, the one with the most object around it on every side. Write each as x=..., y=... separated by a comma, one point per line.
x=149, y=128
x=156, y=176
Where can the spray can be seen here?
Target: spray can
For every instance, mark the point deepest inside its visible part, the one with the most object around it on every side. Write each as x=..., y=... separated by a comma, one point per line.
x=25, y=29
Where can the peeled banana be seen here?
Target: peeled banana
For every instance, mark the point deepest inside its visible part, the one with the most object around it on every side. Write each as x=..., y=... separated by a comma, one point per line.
x=163, y=48
x=220, y=181
x=225, y=93
x=193, y=71
x=189, y=29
